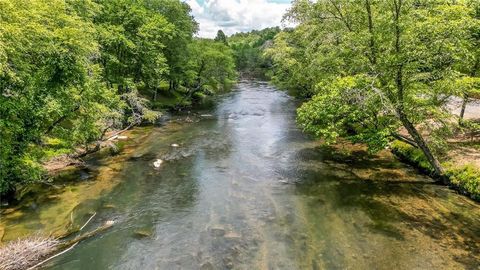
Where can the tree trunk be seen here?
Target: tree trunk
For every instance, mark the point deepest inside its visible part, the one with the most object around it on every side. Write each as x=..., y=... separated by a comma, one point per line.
x=464, y=106
x=417, y=137
x=373, y=55
x=60, y=120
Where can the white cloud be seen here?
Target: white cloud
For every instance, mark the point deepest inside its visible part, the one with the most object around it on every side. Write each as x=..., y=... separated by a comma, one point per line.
x=236, y=15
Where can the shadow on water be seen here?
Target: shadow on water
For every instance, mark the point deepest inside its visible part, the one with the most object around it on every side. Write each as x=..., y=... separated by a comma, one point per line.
x=394, y=207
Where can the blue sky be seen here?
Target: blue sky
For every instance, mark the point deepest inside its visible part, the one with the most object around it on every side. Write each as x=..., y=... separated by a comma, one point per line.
x=236, y=15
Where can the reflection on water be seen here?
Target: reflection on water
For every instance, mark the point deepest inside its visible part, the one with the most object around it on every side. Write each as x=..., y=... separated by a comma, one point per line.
x=247, y=190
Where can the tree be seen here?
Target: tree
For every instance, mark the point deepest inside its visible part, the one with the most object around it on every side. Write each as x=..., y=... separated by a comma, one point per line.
x=469, y=85
x=132, y=52
x=249, y=48
x=221, y=37
x=211, y=66
x=379, y=66
x=50, y=85
x=177, y=13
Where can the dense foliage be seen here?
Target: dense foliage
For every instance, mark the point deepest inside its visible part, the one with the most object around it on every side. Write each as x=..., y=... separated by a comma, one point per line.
x=72, y=70
x=377, y=70
x=249, y=51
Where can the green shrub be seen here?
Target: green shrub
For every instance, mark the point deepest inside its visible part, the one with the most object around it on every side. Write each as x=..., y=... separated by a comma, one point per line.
x=467, y=178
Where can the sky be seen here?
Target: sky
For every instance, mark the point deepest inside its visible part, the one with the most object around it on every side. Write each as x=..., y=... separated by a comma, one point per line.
x=236, y=15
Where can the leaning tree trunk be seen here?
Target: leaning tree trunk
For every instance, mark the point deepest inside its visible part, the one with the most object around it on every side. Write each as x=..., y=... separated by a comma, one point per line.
x=399, y=100
x=422, y=144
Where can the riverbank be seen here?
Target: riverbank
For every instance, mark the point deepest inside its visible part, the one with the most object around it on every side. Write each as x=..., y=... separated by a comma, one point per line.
x=62, y=204
x=461, y=152
x=462, y=174
x=56, y=207
x=243, y=187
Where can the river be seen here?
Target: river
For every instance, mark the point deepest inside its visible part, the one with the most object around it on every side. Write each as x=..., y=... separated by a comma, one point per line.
x=246, y=189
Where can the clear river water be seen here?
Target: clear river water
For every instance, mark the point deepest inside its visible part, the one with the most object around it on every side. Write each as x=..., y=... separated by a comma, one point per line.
x=246, y=189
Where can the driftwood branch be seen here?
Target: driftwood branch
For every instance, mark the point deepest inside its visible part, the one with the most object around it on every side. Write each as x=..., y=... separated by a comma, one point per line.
x=98, y=144
x=120, y=132
x=81, y=228
x=32, y=252
x=79, y=238
x=54, y=256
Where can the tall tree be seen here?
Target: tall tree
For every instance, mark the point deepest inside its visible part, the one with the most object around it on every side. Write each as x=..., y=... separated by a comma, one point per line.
x=211, y=66
x=176, y=46
x=378, y=67
x=50, y=85
x=221, y=37
x=469, y=84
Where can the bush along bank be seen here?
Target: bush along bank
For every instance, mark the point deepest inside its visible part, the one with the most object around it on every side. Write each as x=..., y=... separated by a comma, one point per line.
x=463, y=178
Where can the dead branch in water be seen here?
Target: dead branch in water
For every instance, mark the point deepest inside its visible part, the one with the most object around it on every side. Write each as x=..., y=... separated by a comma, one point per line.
x=22, y=253
x=32, y=252
x=102, y=228
x=49, y=258
x=81, y=228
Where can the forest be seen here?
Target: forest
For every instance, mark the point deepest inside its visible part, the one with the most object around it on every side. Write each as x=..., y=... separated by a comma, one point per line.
x=343, y=136
x=71, y=71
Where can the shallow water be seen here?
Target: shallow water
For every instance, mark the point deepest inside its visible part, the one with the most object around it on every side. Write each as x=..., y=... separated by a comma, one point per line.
x=247, y=190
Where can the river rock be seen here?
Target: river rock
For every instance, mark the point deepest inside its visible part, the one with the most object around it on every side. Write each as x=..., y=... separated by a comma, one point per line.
x=109, y=206
x=142, y=234
x=217, y=231
x=157, y=163
x=207, y=266
x=53, y=197
x=232, y=235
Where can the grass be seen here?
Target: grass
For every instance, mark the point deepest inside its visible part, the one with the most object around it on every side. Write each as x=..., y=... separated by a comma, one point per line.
x=465, y=178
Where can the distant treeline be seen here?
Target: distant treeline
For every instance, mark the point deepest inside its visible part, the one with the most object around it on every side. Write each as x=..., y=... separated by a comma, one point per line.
x=249, y=51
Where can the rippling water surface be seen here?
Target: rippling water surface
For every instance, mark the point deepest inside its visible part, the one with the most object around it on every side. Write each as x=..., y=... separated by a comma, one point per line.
x=246, y=189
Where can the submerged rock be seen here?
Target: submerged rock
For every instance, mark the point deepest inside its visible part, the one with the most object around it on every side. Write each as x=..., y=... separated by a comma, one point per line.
x=217, y=231
x=207, y=266
x=109, y=206
x=142, y=234
x=232, y=235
